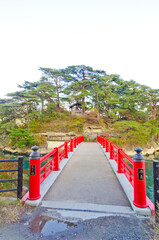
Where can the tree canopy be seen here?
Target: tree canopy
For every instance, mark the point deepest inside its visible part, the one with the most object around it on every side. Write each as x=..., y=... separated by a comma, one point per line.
x=108, y=96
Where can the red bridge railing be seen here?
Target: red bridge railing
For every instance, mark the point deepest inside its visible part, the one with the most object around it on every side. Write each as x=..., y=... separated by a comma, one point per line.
x=131, y=169
x=40, y=168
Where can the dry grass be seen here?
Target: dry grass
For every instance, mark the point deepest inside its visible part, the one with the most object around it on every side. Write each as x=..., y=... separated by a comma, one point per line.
x=11, y=211
x=154, y=226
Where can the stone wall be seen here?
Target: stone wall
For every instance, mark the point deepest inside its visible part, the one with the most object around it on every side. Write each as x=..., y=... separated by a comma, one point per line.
x=54, y=139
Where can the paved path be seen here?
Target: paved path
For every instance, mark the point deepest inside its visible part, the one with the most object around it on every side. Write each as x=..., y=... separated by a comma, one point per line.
x=86, y=189
x=88, y=178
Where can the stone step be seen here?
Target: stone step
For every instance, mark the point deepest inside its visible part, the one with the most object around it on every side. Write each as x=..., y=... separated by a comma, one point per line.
x=88, y=207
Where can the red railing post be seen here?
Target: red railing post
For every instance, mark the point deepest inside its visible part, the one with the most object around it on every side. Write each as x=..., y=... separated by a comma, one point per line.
x=75, y=142
x=107, y=146
x=34, y=174
x=71, y=145
x=139, y=179
x=119, y=161
x=56, y=160
x=111, y=151
x=103, y=142
x=66, y=149
x=51, y=165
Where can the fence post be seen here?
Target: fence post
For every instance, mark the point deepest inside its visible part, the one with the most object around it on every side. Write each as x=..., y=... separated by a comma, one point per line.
x=34, y=174
x=119, y=161
x=111, y=151
x=107, y=146
x=156, y=188
x=71, y=145
x=139, y=179
x=20, y=177
x=56, y=161
x=103, y=142
x=66, y=150
x=75, y=142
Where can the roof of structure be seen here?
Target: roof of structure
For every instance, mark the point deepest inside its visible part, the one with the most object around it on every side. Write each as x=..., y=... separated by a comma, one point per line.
x=76, y=104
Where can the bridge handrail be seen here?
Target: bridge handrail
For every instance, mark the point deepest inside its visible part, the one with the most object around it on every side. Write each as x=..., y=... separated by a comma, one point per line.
x=42, y=159
x=58, y=154
x=122, y=166
x=114, y=145
x=38, y=173
x=127, y=157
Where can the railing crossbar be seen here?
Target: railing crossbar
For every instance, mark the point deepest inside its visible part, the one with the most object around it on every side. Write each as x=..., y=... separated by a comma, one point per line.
x=115, y=146
x=127, y=157
x=126, y=165
x=9, y=160
x=9, y=180
x=9, y=170
x=41, y=169
x=42, y=159
x=9, y=190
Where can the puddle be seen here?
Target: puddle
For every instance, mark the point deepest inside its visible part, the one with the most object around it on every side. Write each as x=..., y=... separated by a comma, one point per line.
x=48, y=226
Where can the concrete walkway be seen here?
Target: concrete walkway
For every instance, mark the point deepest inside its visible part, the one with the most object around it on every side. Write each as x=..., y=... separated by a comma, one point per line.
x=87, y=178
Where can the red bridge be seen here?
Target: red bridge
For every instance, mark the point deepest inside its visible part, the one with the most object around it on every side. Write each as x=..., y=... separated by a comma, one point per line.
x=99, y=178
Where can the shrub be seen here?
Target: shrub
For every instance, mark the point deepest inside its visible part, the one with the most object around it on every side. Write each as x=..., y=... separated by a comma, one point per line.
x=21, y=138
x=131, y=133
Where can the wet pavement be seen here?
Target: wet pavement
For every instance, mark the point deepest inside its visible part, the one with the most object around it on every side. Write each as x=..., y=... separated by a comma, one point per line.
x=72, y=219
x=46, y=224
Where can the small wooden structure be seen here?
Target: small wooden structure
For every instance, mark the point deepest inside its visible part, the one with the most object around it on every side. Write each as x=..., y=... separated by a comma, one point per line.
x=76, y=108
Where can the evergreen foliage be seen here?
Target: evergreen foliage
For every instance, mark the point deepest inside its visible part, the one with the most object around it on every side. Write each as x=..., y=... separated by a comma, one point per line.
x=21, y=138
x=133, y=108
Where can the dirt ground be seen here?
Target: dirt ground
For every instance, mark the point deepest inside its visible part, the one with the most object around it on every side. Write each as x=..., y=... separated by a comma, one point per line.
x=36, y=223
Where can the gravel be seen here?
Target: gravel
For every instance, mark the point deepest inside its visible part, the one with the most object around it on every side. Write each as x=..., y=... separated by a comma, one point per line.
x=33, y=225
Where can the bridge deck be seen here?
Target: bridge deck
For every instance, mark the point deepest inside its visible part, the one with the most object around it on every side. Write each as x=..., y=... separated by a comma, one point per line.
x=88, y=178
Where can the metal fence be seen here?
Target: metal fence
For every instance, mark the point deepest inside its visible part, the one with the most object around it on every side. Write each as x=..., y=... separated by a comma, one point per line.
x=19, y=180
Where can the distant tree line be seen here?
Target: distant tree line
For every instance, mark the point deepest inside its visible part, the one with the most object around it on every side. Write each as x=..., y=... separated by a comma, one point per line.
x=108, y=96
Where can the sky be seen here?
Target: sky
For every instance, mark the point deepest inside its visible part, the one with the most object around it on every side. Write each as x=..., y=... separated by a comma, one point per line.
x=118, y=36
